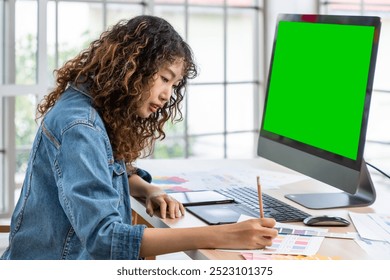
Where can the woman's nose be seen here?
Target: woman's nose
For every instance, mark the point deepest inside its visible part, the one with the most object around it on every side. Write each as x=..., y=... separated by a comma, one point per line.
x=166, y=94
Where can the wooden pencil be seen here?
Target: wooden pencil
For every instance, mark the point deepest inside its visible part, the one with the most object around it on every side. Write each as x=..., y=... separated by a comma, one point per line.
x=260, y=197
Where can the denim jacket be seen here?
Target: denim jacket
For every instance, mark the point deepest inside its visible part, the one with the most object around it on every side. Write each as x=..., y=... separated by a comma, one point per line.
x=75, y=201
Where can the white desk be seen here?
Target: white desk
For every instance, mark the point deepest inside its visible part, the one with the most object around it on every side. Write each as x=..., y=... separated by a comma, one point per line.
x=345, y=249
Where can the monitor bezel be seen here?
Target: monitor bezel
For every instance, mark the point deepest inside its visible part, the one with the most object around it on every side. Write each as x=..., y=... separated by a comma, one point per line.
x=349, y=176
x=329, y=19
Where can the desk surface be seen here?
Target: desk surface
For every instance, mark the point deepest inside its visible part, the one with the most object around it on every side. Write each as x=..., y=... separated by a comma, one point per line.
x=344, y=249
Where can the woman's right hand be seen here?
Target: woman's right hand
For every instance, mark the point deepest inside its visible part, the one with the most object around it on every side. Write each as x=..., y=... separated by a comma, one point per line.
x=249, y=234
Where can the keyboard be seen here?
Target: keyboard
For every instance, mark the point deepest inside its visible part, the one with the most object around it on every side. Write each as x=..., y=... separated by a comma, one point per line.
x=247, y=200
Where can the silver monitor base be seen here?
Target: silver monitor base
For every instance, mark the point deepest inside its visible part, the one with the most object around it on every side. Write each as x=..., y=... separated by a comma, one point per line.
x=364, y=196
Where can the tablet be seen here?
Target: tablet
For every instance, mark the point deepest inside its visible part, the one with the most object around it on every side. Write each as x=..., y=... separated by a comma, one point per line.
x=203, y=197
x=218, y=213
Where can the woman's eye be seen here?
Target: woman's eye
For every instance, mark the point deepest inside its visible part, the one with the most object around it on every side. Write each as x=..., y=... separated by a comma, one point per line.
x=165, y=80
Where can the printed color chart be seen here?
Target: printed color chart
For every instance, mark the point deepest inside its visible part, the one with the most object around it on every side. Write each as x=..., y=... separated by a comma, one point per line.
x=310, y=232
x=294, y=245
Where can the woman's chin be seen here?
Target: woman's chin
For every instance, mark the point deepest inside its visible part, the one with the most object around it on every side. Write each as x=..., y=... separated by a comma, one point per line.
x=144, y=115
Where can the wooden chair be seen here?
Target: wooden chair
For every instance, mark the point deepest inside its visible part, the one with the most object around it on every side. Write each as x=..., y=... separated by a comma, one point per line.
x=4, y=228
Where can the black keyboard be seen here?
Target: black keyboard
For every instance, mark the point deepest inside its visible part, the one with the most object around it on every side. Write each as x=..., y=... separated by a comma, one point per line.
x=247, y=200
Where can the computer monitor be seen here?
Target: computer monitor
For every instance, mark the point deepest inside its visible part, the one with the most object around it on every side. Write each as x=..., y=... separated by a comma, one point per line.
x=317, y=104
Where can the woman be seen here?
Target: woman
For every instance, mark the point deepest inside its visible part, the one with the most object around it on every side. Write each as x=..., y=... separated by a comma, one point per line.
x=108, y=108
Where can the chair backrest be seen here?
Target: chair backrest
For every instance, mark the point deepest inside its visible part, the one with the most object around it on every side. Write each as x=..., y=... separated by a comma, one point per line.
x=4, y=228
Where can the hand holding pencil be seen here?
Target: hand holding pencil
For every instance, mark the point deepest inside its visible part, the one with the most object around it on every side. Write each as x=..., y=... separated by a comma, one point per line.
x=260, y=197
x=264, y=227
x=251, y=233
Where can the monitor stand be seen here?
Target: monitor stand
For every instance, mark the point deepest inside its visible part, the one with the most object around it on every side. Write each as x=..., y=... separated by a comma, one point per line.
x=365, y=195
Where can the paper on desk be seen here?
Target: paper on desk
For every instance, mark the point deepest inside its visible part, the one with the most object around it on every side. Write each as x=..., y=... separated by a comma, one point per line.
x=374, y=232
x=263, y=257
x=269, y=179
x=378, y=250
x=296, y=228
x=288, y=244
x=223, y=178
x=372, y=226
x=310, y=231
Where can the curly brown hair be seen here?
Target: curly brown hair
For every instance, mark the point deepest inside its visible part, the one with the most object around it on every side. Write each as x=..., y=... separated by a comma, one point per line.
x=119, y=67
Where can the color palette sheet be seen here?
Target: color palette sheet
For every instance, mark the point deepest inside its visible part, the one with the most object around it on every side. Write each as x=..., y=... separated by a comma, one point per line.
x=222, y=178
x=294, y=245
x=312, y=232
x=289, y=244
x=262, y=257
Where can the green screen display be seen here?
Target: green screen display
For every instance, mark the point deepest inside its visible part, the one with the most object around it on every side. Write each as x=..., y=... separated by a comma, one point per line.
x=318, y=83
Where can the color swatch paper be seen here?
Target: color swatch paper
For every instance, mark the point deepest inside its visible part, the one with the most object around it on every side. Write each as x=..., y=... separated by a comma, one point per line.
x=312, y=232
x=294, y=245
x=254, y=256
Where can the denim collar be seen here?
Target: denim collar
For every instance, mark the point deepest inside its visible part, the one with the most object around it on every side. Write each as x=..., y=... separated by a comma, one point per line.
x=83, y=88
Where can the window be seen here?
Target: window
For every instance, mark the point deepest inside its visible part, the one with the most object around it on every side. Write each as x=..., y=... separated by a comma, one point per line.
x=203, y=24
x=231, y=40
x=225, y=40
x=214, y=122
x=2, y=118
x=3, y=197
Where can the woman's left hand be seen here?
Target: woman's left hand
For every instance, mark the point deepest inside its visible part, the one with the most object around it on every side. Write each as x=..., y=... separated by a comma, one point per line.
x=166, y=203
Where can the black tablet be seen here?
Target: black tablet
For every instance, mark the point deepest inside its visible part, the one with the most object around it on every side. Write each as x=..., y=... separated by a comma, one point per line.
x=218, y=213
x=203, y=197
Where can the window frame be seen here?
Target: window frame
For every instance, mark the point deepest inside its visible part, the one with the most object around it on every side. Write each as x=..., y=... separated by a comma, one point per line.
x=8, y=88
x=263, y=32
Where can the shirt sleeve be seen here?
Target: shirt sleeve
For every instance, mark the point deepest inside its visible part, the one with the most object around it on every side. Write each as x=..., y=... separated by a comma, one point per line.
x=123, y=240
x=89, y=196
